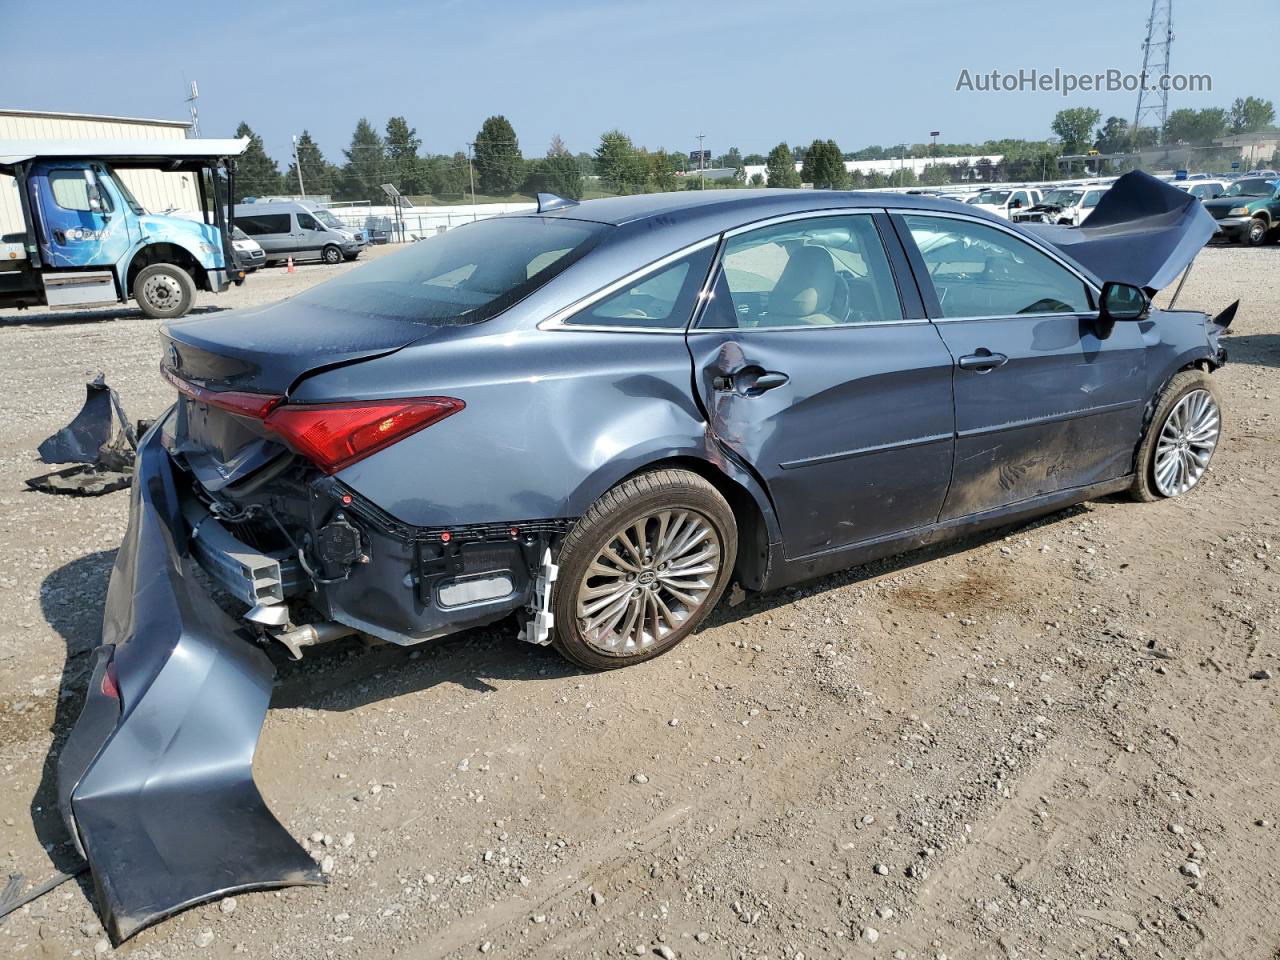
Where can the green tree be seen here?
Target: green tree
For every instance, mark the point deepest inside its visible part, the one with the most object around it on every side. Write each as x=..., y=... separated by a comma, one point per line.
x=405, y=168
x=780, y=167
x=731, y=159
x=619, y=164
x=1075, y=128
x=936, y=175
x=662, y=172
x=1251, y=114
x=757, y=180
x=256, y=173
x=562, y=174
x=499, y=166
x=1196, y=127
x=317, y=173
x=365, y=170
x=448, y=176
x=1113, y=136
x=824, y=166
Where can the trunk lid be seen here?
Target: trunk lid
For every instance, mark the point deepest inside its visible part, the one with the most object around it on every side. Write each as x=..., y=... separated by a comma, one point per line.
x=264, y=350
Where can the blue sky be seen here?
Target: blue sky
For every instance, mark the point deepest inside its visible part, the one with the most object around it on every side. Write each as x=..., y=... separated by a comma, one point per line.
x=745, y=73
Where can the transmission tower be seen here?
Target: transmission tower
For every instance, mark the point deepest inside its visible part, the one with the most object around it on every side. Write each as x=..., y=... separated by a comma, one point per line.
x=1153, y=97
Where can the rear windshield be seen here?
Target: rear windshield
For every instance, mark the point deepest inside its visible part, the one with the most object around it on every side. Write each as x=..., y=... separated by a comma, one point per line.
x=469, y=274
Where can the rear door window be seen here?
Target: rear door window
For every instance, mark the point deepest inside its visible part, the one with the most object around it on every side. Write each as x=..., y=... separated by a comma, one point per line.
x=262, y=223
x=662, y=299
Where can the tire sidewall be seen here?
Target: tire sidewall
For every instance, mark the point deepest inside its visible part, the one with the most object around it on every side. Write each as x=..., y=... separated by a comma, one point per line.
x=1182, y=383
x=1249, y=233
x=184, y=282
x=331, y=255
x=706, y=502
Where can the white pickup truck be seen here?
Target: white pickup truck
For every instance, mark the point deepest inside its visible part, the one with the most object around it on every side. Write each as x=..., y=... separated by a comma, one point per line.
x=1004, y=202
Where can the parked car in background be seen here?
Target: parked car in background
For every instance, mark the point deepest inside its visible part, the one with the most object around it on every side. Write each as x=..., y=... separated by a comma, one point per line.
x=1248, y=211
x=378, y=229
x=1267, y=174
x=248, y=251
x=291, y=229
x=1004, y=202
x=1204, y=189
x=1065, y=205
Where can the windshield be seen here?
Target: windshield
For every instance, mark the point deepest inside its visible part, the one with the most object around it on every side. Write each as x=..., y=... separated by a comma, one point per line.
x=469, y=274
x=125, y=192
x=327, y=218
x=1062, y=198
x=238, y=234
x=991, y=196
x=1250, y=188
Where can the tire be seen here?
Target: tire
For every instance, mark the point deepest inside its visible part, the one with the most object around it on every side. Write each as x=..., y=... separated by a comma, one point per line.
x=1151, y=483
x=350, y=256
x=1258, y=233
x=651, y=618
x=164, y=291
x=331, y=254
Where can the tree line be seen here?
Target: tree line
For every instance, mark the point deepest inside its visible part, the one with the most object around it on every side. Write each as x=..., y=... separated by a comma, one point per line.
x=495, y=165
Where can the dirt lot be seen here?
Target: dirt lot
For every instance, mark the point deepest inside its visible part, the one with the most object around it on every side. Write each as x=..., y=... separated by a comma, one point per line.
x=1042, y=743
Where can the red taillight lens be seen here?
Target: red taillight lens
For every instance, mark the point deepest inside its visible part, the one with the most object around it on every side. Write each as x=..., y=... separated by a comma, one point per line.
x=336, y=435
x=110, y=687
x=256, y=405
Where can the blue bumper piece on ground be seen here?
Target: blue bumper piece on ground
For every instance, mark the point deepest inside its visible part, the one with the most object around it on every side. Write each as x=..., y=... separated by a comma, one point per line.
x=155, y=782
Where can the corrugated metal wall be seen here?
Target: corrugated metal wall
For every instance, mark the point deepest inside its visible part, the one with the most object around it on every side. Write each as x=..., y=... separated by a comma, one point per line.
x=155, y=190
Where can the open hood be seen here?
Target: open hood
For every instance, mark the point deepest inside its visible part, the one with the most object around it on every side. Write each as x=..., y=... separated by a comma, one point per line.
x=1143, y=232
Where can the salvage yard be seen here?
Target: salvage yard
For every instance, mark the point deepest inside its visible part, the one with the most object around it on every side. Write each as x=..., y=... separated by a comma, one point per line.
x=1057, y=740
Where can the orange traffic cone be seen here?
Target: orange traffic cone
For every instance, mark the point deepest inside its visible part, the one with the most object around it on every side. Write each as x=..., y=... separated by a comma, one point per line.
x=291, y=270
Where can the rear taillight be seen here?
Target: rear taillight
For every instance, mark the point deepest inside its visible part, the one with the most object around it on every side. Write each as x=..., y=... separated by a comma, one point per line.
x=110, y=687
x=255, y=405
x=336, y=435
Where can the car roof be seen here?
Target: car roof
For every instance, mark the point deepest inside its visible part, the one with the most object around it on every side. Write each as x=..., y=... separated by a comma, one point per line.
x=746, y=205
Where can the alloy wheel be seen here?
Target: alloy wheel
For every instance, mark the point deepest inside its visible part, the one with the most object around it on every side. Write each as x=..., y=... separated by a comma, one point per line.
x=647, y=580
x=1187, y=441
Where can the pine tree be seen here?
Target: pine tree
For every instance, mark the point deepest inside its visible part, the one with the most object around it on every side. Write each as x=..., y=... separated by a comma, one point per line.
x=499, y=166
x=317, y=172
x=781, y=167
x=256, y=173
x=561, y=172
x=365, y=170
x=404, y=166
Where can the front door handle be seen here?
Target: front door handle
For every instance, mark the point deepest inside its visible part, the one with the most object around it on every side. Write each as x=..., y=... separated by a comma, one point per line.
x=983, y=360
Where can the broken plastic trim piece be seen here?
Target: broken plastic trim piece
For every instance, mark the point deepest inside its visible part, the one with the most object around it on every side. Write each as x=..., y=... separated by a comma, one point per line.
x=155, y=781
x=540, y=621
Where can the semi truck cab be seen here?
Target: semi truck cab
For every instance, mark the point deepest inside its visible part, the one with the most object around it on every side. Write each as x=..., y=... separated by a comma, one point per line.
x=87, y=241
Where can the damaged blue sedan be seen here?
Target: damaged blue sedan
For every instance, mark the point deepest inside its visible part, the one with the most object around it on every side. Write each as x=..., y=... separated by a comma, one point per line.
x=590, y=419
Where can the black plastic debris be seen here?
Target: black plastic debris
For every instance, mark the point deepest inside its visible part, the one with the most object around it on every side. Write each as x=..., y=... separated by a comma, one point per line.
x=100, y=440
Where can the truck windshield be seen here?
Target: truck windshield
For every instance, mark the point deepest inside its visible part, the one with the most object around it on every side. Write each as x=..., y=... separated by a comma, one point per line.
x=469, y=274
x=327, y=218
x=125, y=192
x=1250, y=188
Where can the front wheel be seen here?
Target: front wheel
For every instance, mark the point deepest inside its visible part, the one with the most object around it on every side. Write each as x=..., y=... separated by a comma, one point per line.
x=642, y=568
x=164, y=291
x=1181, y=439
x=331, y=254
x=1257, y=233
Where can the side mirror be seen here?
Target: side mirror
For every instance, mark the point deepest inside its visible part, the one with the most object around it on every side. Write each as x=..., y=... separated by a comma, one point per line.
x=93, y=192
x=1123, y=301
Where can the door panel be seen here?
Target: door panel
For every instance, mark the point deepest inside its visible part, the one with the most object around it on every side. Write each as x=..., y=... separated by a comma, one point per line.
x=1063, y=411
x=72, y=232
x=1047, y=397
x=840, y=405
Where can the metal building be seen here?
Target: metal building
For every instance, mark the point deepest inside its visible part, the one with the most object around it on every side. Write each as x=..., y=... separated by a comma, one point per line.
x=155, y=190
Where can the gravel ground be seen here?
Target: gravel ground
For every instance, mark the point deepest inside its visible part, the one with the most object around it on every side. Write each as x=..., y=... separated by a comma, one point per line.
x=1041, y=743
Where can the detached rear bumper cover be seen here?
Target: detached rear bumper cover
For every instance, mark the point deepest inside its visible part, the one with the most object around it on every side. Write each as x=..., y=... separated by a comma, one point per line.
x=156, y=786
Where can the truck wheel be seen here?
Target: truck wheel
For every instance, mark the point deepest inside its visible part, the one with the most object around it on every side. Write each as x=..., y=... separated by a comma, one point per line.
x=1257, y=233
x=642, y=568
x=331, y=254
x=164, y=291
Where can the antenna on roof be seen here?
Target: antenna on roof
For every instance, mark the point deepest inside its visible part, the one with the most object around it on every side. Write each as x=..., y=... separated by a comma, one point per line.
x=549, y=201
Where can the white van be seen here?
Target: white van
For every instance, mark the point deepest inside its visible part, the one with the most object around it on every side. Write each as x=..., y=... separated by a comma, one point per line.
x=291, y=229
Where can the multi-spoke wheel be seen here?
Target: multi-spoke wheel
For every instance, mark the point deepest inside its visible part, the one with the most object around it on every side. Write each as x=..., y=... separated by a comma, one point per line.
x=642, y=568
x=1183, y=435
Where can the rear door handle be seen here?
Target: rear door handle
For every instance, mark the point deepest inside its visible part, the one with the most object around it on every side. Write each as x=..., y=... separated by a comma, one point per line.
x=983, y=360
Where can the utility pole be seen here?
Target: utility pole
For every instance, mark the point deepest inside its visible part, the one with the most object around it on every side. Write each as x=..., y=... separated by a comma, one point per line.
x=702, y=173
x=471, y=170
x=1153, y=104
x=192, y=97
x=297, y=165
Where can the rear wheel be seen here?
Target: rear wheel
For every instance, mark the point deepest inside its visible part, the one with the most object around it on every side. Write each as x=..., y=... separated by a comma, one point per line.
x=1181, y=439
x=164, y=291
x=331, y=254
x=642, y=568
